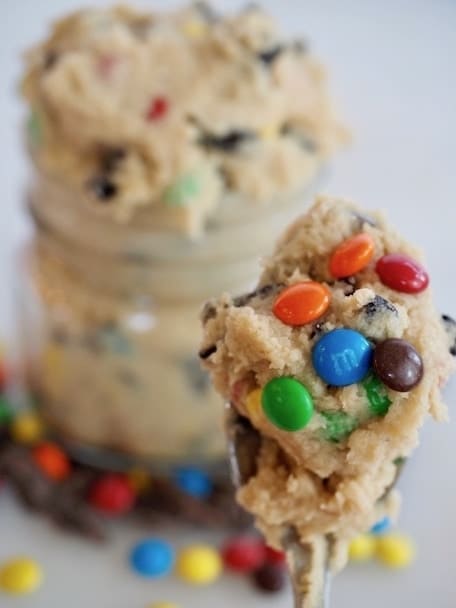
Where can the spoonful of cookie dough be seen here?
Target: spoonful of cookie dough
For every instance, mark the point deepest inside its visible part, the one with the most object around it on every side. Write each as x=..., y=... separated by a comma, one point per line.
x=330, y=367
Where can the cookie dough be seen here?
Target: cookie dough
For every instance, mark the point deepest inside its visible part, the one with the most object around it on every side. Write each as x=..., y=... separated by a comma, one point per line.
x=338, y=396
x=161, y=120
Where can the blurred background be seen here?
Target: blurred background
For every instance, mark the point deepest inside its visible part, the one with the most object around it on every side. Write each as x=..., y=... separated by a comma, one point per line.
x=392, y=75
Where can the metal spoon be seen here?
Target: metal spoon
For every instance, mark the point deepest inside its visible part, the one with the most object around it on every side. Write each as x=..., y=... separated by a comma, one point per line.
x=308, y=563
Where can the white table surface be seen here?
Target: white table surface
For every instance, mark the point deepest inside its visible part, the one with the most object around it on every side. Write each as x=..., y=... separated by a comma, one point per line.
x=393, y=73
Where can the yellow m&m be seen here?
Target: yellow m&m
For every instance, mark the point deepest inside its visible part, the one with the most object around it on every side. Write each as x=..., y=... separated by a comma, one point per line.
x=199, y=565
x=21, y=575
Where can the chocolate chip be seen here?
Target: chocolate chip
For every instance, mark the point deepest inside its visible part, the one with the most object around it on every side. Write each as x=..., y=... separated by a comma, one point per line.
x=111, y=158
x=207, y=352
x=230, y=142
x=270, y=578
x=50, y=59
x=260, y=292
x=209, y=312
x=103, y=188
x=317, y=330
x=397, y=364
x=268, y=56
x=450, y=327
x=378, y=305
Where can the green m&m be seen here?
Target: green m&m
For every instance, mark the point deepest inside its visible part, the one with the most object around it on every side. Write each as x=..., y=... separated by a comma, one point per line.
x=287, y=404
x=379, y=402
x=338, y=425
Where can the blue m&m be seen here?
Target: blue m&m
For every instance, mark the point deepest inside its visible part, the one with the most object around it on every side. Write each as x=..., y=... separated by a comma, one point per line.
x=193, y=481
x=152, y=558
x=342, y=357
x=382, y=526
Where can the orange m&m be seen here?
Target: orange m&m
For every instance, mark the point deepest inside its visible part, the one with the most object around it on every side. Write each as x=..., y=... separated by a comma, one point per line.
x=351, y=256
x=52, y=460
x=301, y=303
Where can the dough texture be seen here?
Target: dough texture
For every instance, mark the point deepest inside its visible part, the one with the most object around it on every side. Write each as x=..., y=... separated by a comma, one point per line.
x=310, y=480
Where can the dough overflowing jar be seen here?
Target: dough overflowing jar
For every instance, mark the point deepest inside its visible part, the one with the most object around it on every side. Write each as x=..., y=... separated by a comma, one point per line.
x=168, y=152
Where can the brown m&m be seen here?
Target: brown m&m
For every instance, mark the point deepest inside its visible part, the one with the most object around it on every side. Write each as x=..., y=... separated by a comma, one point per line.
x=398, y=364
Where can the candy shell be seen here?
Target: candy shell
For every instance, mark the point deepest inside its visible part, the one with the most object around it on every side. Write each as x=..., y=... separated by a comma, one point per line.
x=398, y=364
x=270, y=578
x=382, y=526
x=395, y=550
x=193, y=481
x=243, y=554
x=273, y=556
x=27, y=427
x=342, y=357
x=199, y=565
x=287, y=404
x=351, y=256
x=20, y=576
x=362, y=548
x=302, y=303
x=152, y=558
x=113, y=494
x=402, y=273
x=52, y=460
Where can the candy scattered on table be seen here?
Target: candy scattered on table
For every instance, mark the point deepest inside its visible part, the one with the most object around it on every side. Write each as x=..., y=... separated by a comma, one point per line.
x=381, y=526
x=199, y=565
x=398, y=364
x=193, y=481
x=273, y=556
x=152, y=558
x=342, y=357
x=6, y=414
x=302, y=303
x=27, y=427
x=52, y=460
x=113, y=494
x=402, y=273
x=244, y=554
x=362, y=548
x=351, y=256
x=21, y=575
x=287, y=404
x=395, y=550
x=140, y=480
x=270, y=578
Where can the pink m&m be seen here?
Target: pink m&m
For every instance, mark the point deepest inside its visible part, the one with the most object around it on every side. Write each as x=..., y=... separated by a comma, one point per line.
x=402, y=273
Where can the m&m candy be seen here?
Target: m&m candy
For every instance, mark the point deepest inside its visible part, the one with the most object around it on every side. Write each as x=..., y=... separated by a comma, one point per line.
x=158, y=108
x=379, y=402
x=273, y=556
x=113, y=494
x=52, y=460
x=27, y=427
x=342, y=357
x=302, y=303
x=199, y=565
x=270, y=578
x=152, y=558
x=20, y=576
x=398, y=364
x=244, y=554
x=362, y=548
x=382, y=526
x=193, y=481
x=351, y=256
x=395, y=550
x=287, y=403
x=402, y=273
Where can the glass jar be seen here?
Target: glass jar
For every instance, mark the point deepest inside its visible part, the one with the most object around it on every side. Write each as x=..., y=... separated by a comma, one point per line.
x=109, y=318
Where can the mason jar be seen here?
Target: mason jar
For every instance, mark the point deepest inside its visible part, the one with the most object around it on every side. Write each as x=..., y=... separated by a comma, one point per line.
x=109, y=319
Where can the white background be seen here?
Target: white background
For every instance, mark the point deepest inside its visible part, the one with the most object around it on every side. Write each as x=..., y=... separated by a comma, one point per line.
x=393, y=73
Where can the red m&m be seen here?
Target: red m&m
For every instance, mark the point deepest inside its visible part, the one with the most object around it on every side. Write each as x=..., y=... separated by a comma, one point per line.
x=244, y=554
x=302, y=303
x=52, y=460
x=113, y=494
x=402, y=273
x=158, y=108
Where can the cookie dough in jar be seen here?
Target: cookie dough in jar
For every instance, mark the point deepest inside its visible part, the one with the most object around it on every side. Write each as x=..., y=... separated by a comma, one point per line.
x=168, y=151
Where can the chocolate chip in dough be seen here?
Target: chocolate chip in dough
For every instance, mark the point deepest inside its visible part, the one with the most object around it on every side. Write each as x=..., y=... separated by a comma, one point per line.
x=103, y=188
x=378, y=305
x=450, y=327
x=268, y=56
x=230, y=142
x=207, y=352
